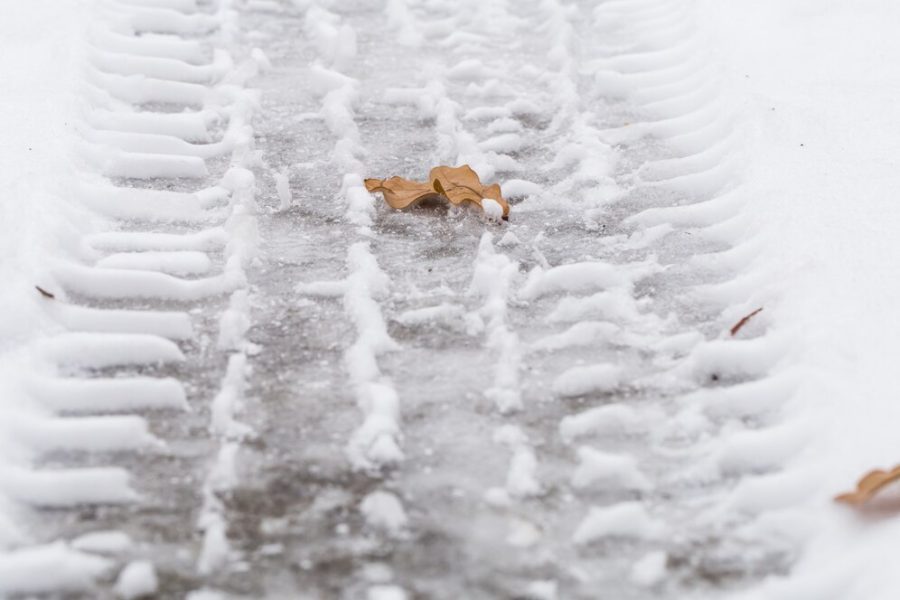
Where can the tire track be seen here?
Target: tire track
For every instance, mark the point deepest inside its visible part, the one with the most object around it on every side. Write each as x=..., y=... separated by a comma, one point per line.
x=137, y=310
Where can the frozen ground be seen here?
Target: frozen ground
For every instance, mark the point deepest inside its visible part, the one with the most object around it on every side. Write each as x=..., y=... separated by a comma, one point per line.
x=245, y=377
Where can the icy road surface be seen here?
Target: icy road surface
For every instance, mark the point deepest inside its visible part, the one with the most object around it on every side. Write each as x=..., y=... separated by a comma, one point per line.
x=243, y=376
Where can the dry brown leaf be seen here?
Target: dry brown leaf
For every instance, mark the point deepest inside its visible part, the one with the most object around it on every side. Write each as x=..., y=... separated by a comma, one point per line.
x=871, y=483
x=458, y=185
x=401, y=193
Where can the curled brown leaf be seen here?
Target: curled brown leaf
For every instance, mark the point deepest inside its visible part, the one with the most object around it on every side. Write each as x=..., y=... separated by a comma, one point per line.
x=458, y=185
x=870, y=484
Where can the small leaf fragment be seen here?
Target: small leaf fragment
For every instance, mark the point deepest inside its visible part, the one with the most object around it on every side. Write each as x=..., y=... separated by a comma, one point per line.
x=870, y=484
x=44, y=292
x=740, y=324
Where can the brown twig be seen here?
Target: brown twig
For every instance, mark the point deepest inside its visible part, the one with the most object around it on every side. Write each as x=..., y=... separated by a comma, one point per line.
x=44, y=292
x=740, y=324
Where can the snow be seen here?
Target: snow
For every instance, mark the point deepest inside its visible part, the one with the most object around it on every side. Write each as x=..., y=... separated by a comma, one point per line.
x=492, y=209
x=46, y=225
x=41, y=221
x=608, y=471
x=521, y=478
x=494, y=275
x=383, y=510
x=126, y=283
x=109, y=395
x=585, y=333
x=68, y=487
x=608, y=419
x=581, y=277
x=228, y=401
x=73, y=70
x=377, y=441
x=599, y=368
x=205, y=595
x=137, y=580
x=209, y=239
x=103, y=542
x=626, y=519
x=650, y=569
x=442, y=314
x=579, y=381
x=176, y=263
x=235, y=322
x=95, y=434
x=168, y=324
x=98, y=350
x=612, y=305
x=386, y=592
x=43, y=569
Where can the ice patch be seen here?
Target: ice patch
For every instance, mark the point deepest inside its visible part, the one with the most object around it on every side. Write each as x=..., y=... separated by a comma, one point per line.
x=283, y=189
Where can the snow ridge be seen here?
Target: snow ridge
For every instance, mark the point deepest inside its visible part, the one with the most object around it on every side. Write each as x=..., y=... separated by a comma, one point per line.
x=235, y=321
x=375, y=446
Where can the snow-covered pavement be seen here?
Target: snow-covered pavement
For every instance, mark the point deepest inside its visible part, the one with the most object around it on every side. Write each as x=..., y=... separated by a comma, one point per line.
x=228, y=371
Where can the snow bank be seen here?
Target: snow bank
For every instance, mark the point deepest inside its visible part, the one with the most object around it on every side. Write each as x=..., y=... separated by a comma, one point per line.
x=818, y=107
x=44, y=50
